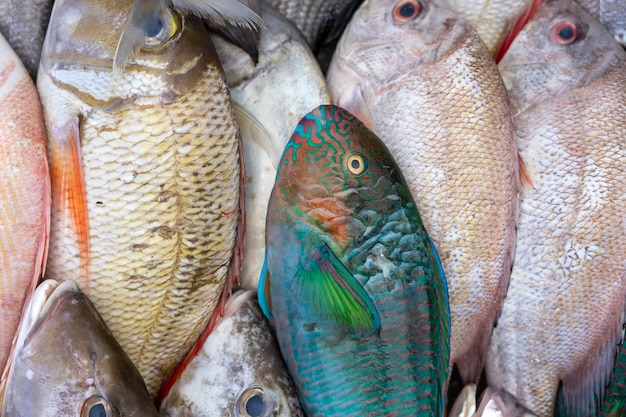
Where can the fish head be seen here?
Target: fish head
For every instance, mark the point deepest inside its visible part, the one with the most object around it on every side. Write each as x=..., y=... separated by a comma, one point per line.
x=334, y=168
x=386, y=39
x=239, y=371
x=561, y=47
x=98, y=50
x=66, y=362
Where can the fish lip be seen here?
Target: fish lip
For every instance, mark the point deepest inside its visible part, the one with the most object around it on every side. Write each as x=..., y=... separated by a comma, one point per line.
x=41, y=303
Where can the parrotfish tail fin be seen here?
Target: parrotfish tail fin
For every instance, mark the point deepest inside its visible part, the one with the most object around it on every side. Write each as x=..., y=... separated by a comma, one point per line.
x=145, y=15
x=598, y=386
x=614, y=404
x=263, y=292
x=69, y=198
x=515, y=29
x=222, y=12
x=253, y=129
x=336, y=294
x=441, y=288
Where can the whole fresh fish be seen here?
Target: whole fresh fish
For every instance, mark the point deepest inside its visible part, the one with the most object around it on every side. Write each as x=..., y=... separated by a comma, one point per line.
x=144, y=159
x=611, y=13
x=25, y=191
x=23, y=24
x=66, y=362
x=260, y=93
x=316, y=19
x=238, y=372
x=427, y=85
x=562, y=319
x=351, y=279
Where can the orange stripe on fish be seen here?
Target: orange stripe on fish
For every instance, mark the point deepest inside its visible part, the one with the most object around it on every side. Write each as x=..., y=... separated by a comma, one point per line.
x=68, y=185
x=516, y=29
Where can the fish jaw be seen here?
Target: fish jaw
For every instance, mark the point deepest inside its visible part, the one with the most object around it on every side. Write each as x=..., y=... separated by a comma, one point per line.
x=240, y=360
x=25, y=187
x=62, y=338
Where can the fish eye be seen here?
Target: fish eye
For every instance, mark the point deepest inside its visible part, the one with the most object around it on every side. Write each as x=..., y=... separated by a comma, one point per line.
x=254, y=402
x=96, y=406
x=356, y=164
x=406, y=10
x=161, y=28
x=564, y=33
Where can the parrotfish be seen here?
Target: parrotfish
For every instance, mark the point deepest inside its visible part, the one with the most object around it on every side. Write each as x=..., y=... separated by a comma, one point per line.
x=563, y=317
x=25, y=191
x=351, y=280
x=260, y=93
x=66, y=362
x=426, y=84
x=145, y=172
x=238, y=371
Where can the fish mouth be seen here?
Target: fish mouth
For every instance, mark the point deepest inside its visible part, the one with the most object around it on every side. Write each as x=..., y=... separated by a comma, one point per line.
x=40, y=306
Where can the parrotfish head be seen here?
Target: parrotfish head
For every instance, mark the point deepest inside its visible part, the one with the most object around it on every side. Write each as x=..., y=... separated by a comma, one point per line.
x=338, y=175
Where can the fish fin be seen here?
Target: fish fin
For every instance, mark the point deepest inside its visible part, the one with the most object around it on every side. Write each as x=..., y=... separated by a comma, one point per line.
x=515, y=29
x=614, y=404
x=251, y=128
x=246, y=39
x=222, y=12
x=524, y=175
x=465, y=403
x=68, y=189
x=351, y=99
x=333, y=291
x=263, y=291
x=44, y=239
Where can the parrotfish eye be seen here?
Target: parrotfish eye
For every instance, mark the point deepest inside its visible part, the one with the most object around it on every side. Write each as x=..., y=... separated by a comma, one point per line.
x=96, y=406
x=161, y=28
x=356, y=164
x=254, y=402
x=406, y=10
x=564, y=33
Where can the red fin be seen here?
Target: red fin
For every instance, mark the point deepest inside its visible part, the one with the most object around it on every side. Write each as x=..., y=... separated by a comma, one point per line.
x=232, y=278
x=516, y=29
x=524, y=175
x=44, y=240
x=68, y=187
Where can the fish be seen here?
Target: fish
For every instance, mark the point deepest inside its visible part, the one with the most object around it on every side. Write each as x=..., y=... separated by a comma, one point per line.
x=318, y=20
x=352, y=282
x=562, y=319
x=145, y=172
x=23, y=24
x=66, y=362
x=493, y=403
x=465, y=403
x=426, y=84
x=611, y=13
x=239, y=370
x=25, y=190
x=259, y=94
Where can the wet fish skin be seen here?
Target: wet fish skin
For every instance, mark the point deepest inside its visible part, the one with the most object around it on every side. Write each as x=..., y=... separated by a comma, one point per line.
x=341, y=217
x=239, y=362
x=25, y=191
x=259, y=94
x=567, y=287
x=432, y=92
x=23, y=24
x=66, y=362
x=612, y=14
x=145, y=175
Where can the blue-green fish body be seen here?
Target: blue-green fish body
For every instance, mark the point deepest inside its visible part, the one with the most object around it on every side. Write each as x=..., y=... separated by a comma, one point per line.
x=353, y=282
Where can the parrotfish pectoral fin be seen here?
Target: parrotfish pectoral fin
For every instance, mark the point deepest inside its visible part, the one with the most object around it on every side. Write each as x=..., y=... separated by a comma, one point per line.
x=68, y=187
x=263, y=291
x=335, y=293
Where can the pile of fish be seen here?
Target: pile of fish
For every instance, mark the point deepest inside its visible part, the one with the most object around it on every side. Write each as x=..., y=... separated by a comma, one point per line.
x=309, y=207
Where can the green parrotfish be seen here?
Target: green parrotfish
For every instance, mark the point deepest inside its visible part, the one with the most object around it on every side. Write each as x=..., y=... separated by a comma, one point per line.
x=351, y=280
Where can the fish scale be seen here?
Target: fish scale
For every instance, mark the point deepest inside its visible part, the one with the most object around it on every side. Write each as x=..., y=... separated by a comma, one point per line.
x=400, y=369
x=159, y=157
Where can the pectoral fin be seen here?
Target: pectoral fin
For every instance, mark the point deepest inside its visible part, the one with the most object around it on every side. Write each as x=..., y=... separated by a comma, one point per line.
x=263, y=291
x=69, y=200
x=335, y=293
